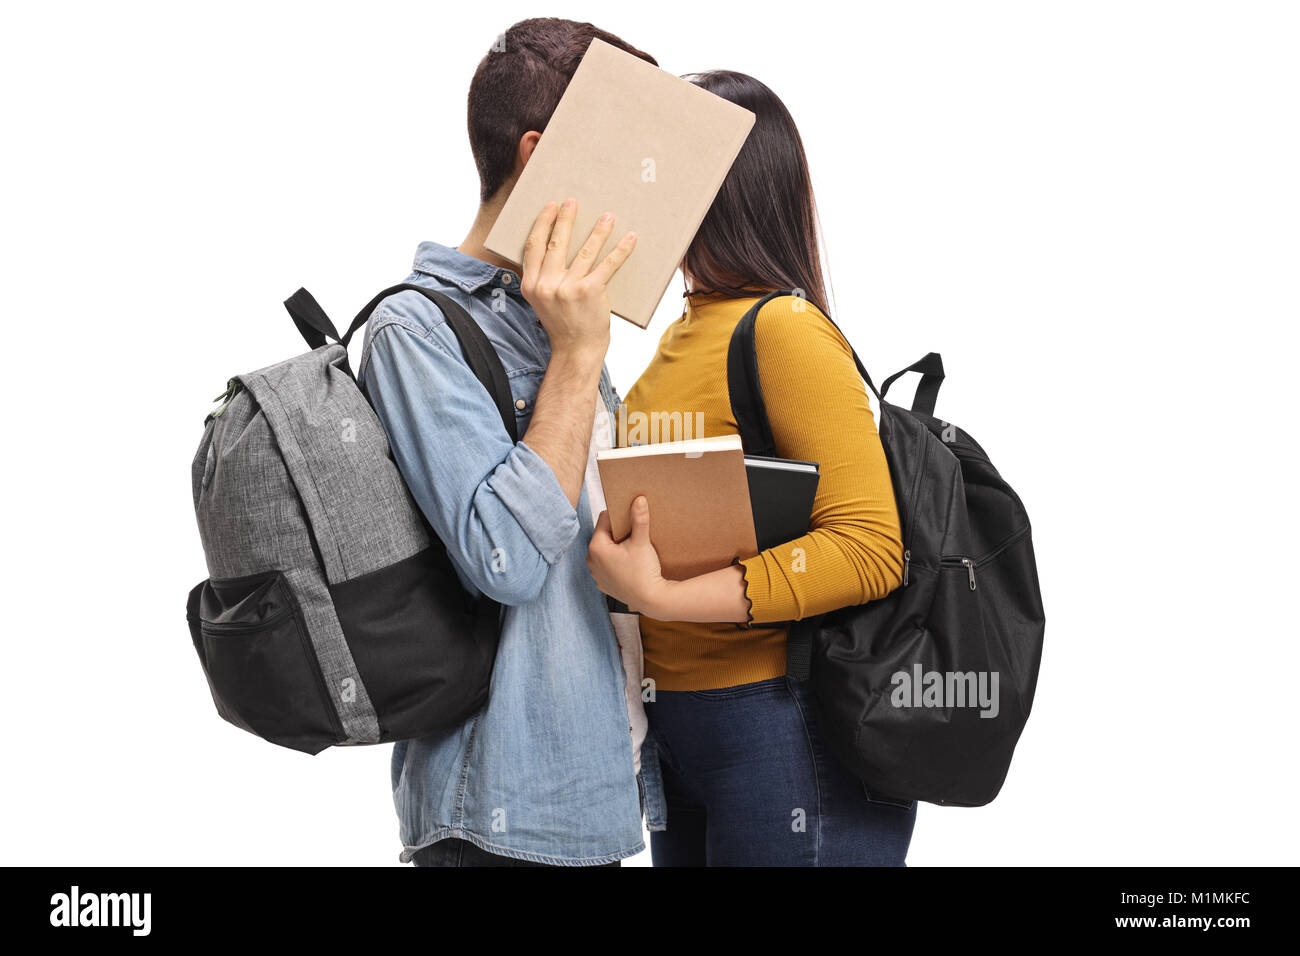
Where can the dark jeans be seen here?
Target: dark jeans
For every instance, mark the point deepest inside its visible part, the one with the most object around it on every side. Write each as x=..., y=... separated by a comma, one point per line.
x=748, y=783
x=455, y=852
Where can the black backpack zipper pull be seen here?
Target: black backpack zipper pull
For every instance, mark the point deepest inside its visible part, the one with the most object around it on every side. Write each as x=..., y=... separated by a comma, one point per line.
x=970, y=569
x=907, y=564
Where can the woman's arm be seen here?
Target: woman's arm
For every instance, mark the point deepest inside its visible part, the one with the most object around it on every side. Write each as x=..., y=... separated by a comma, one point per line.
x=817, y=405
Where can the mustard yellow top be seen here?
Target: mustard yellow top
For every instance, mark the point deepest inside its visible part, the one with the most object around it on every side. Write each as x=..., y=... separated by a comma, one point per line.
x=817, y=406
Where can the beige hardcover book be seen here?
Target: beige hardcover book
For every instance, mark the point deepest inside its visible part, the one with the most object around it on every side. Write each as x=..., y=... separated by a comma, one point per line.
x=700, y=519
x=630, y=139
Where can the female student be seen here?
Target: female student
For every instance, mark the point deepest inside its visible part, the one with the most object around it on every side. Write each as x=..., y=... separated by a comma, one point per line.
x=746, y=777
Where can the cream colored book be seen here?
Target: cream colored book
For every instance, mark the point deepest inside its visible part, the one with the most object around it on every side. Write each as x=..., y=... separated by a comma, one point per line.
x=634, y=140
x=700, y=517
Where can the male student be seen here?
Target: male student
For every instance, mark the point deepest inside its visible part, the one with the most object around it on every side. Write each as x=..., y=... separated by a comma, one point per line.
x=546, y=773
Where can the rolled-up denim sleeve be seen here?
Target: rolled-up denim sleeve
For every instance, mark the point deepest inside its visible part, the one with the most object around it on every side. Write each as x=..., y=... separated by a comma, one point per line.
x=496, y=505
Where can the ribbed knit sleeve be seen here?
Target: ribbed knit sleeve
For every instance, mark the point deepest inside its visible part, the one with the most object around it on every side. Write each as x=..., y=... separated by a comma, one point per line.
x=817, y=406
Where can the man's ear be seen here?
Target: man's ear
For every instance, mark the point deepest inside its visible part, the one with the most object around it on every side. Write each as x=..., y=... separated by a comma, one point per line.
x=527, y=143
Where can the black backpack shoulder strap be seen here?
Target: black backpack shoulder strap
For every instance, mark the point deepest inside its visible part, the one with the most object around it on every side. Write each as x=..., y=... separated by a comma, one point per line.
x=747, y=405
x=479, y=353
x=745, y=389
x=745, y=392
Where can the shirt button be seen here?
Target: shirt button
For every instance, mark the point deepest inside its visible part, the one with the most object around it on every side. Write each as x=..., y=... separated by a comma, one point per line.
x=507, y=278
x=521, y=404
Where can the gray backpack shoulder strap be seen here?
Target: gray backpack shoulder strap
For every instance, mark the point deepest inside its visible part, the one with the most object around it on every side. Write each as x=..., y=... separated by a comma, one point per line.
x=316, y=329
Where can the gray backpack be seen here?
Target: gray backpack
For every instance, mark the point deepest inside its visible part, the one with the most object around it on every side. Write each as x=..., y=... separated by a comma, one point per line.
x=332, y=614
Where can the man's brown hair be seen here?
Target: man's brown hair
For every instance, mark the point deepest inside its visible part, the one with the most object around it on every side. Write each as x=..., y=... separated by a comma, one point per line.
x=518, y=85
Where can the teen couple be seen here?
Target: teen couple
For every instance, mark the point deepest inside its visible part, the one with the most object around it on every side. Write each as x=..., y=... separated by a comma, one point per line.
x=560, y=766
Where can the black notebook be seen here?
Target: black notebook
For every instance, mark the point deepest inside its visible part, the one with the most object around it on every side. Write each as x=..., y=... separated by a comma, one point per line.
x=781, y=493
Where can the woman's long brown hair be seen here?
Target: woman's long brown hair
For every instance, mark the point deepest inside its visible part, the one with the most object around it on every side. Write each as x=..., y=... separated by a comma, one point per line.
x=761, y=231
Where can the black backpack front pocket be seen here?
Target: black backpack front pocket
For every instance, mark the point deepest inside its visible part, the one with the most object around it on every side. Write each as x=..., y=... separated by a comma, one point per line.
x=424, y=650
x=260, y=663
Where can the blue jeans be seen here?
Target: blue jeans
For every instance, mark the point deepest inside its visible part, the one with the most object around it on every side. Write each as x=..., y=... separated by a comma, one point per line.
x=748, y=783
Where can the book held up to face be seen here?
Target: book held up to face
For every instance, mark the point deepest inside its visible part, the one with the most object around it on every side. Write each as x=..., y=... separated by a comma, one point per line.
x=630, y=139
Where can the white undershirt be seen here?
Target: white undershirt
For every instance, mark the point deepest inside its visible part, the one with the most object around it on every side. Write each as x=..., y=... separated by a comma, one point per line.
x=627, y=627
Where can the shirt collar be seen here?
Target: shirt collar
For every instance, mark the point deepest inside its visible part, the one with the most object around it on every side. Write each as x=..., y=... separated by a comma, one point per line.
x=464, y=272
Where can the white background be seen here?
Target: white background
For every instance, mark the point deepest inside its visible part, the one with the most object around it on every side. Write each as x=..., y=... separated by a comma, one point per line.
x=1092, y=210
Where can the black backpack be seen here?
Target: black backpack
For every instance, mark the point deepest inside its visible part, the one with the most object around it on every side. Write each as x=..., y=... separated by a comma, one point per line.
x=969, y=608
x=331, y=613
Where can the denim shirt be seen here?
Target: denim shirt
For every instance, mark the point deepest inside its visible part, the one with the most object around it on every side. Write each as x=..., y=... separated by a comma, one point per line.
x=544, y=772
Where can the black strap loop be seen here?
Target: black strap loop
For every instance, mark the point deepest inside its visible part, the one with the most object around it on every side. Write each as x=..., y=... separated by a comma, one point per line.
x=310, y=318
x=927, y=392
